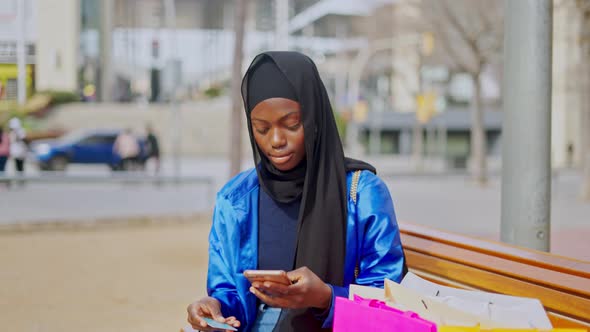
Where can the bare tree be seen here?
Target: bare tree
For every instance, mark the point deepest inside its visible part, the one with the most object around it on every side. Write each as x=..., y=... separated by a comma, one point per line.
x=235, y=149
x=583, y=7
x=470, y=33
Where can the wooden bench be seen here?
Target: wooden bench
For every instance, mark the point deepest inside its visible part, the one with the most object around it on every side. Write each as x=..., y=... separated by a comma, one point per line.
x=562, y=284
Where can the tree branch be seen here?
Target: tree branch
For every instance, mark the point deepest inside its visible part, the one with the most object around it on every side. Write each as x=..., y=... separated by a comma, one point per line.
x=446, y=44
x=484, y=15
x=454, y=21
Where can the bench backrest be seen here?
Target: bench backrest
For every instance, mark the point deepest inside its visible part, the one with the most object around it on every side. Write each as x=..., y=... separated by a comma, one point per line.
x=562, y=284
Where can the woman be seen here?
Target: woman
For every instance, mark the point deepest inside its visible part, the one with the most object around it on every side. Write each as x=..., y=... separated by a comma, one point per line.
x=18, y=146
x=293, y=212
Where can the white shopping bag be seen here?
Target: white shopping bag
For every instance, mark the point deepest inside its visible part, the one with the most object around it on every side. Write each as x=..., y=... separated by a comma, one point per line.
x=442, y=314
x=494, y=310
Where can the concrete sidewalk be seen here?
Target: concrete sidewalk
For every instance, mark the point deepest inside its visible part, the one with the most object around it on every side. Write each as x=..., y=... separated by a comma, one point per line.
x=456, y=204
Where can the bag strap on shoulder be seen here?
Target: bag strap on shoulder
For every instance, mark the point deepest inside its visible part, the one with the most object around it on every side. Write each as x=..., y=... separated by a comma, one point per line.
x=354, y=185
x=353, y=193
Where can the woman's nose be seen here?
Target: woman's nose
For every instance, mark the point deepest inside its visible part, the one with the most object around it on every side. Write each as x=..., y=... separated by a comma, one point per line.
x=277, y=139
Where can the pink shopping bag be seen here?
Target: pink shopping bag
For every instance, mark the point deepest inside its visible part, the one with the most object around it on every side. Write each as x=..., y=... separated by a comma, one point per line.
x=373, y=315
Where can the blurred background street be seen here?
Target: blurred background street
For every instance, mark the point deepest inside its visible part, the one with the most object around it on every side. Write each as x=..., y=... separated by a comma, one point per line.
x=120, y=114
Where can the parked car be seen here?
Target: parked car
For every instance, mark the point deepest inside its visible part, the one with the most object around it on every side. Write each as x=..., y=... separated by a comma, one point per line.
x=84, y=147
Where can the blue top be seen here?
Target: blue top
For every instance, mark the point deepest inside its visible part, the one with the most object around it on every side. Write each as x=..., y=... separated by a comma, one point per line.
x=277, y=252
x=372, y=243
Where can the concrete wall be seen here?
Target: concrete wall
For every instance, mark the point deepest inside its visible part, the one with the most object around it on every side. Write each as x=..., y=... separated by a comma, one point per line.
x=204, y=127
x=58, y=30
x=567, y=87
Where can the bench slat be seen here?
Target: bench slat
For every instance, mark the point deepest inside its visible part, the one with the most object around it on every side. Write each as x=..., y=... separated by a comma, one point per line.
x=534, y=274
x=514, y=253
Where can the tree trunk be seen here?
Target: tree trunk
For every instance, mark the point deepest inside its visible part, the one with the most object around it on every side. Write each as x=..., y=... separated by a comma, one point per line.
x=585, y=97
x=418, y=139
x=586, y=177
x=478, y=137
x=235, y=148
x=418, y=146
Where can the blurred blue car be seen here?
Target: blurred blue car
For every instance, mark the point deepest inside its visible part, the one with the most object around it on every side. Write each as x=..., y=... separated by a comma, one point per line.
x=90, y=147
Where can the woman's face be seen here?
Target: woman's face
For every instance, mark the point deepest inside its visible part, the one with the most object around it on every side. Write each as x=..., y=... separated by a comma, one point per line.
x=278, y=131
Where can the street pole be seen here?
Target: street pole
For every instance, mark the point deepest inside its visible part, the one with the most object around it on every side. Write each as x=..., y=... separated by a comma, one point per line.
x=170, y=18
x=282, y=25
x=236, y=115
x=526, y=170
x=106, y=45
x=20, y=52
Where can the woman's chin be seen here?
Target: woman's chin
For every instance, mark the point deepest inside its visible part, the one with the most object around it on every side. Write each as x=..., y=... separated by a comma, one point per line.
x=283, y=167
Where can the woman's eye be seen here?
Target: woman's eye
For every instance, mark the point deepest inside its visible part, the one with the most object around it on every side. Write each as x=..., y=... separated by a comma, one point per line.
x=262, y=131
x=295, y=126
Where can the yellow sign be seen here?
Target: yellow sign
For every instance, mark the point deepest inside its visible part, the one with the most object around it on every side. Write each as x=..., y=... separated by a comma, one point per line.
x=427, y=43
x=361, y=110
x=425, y=107
x=9, y=72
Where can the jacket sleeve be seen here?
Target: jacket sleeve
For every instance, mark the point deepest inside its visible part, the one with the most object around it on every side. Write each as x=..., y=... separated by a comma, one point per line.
x=221, y=283
x=381, y=255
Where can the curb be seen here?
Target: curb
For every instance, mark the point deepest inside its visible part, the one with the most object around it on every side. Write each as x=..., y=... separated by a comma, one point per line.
x=103, y=223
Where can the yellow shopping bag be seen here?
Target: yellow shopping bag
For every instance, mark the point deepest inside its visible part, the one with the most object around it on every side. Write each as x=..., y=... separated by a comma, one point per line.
x=477, y=329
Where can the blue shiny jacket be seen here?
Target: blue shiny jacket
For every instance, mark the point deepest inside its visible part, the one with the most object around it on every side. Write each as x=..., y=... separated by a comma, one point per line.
x=373, y=242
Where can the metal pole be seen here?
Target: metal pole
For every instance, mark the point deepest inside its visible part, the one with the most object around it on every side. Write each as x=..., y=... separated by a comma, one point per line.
x=236, y=115
x=282, y=25
x=170, y=18
x=20, y=52
x=106, y=45
x=526, y=171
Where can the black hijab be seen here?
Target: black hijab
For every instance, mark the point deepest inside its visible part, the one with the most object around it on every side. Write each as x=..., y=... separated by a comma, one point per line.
x=320, y=180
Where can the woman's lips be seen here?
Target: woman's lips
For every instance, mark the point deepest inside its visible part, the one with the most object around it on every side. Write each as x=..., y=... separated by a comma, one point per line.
x=278, y=160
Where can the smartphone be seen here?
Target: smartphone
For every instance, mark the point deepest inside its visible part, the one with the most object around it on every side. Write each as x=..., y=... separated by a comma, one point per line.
x=277, y=276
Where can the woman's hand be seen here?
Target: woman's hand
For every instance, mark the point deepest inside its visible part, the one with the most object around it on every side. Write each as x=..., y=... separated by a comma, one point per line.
x=211, y=308
x=307, y=291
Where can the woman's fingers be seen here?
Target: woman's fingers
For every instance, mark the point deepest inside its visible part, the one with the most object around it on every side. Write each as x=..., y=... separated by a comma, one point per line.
x=207, y=307
x=233, y=321
x=195, y=314
x=293, y=301
x=268, y=299
x=274, y=288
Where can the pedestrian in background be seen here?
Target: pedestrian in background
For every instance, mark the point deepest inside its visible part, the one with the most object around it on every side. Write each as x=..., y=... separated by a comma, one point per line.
x=153, y=148
x=18, y=146
x=127, y=148
x=4, y=150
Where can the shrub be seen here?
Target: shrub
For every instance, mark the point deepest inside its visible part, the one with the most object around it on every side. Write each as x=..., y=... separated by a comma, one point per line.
x=213, y=91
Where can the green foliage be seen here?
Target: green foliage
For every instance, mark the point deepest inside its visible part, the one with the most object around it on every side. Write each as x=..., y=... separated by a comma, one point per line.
x=36, y=105
x=341, y=124
x=213, y=91
x=60, y=97
x=11, y=109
